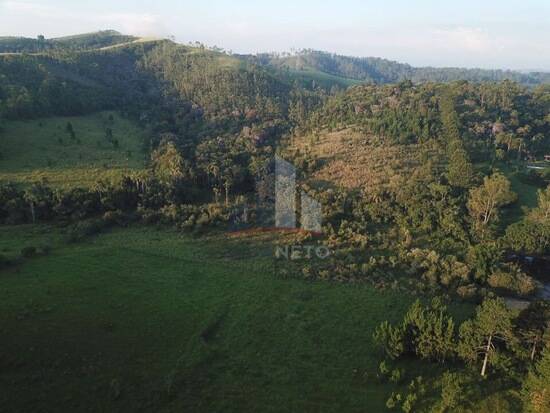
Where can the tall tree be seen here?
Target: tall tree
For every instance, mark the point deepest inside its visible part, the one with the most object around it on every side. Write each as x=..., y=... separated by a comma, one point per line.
x=460, y=170
x=541, y=214
x=479, y=336
x=533, y=325
x=484, y=202
x=536, y=388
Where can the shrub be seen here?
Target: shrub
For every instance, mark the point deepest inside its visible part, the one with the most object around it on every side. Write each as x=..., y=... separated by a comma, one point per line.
x=4, y=261
x=149, y=216
x=116, y=217
x=85, y=229
x=45, y=249
x=390, y=339
x=409, y=403
x=512, y=279
x=452, y=391
x=468, y=292
x=28, y=252
x=383, y=368
x=393, y=401
x=397, y=375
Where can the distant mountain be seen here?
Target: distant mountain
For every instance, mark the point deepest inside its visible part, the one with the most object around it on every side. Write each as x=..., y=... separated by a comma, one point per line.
x=108, y=70
x=84, y=41
x=378, y=70
x=307, y=67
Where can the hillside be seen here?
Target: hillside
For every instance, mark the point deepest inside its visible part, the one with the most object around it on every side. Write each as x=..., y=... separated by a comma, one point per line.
x=44, y=150
x=84, y=41
x=378, y=70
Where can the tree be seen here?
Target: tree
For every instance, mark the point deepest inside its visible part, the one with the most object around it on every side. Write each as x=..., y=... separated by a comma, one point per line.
x=532, y=234
x=390, y=339
x=453, y=392
x=168, y=163
x=426, y=331
x=492, y=323
x=484, y=202
x=39, y=199
x=460, y=170
x=69, y=127
x=430, y=331
x=541, y=214
x=109, y=134
x=533, y=325
x=536, y=388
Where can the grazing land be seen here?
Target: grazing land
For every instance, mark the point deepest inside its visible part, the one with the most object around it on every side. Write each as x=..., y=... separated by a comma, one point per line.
x=43, y=149
x=140, y=319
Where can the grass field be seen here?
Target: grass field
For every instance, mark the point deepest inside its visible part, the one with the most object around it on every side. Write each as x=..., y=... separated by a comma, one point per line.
x=527, y=195
x=322, y=78
x=35, y=150
x=142, y=319
x=307, y=75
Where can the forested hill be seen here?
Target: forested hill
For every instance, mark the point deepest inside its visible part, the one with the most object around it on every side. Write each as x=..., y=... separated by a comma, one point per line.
x=173, y=86
x=306, y=67
x=377, y=70
x=84, y=41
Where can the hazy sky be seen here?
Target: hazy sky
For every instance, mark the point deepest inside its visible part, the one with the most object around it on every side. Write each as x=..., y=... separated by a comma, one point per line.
x=482, y=33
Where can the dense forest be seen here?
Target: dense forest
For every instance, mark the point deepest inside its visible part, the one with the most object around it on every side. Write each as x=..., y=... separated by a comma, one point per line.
x=421, y=173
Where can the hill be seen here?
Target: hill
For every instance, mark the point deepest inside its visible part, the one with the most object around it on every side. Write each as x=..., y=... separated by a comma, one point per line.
x=84, y=41
x=378, y=70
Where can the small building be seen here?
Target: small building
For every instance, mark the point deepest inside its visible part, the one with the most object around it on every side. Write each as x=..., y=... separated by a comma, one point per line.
x=547, y=158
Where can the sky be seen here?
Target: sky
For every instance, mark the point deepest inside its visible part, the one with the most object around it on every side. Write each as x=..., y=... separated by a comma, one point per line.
x=484, y=33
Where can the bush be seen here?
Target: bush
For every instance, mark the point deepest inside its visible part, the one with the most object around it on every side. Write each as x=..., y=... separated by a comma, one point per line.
x=512, y=279
x=28, y=252
x=390, y=339
x=468, y=292
x=149, y=216
x=409, y=403
x=85, y=229
x=383, y=368
x=45, y=249
x=452, y=391
x=397, y=375
x=4, y=261
x=393, y=401
x=116, y=217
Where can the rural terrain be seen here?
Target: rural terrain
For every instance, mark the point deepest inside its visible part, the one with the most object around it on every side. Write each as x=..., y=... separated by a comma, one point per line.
x=137, y=237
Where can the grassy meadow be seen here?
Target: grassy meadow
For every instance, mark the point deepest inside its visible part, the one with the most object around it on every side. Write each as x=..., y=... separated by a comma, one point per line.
x=144, y=319
x=525, y=191
x=322, y=78
x=43, y=149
